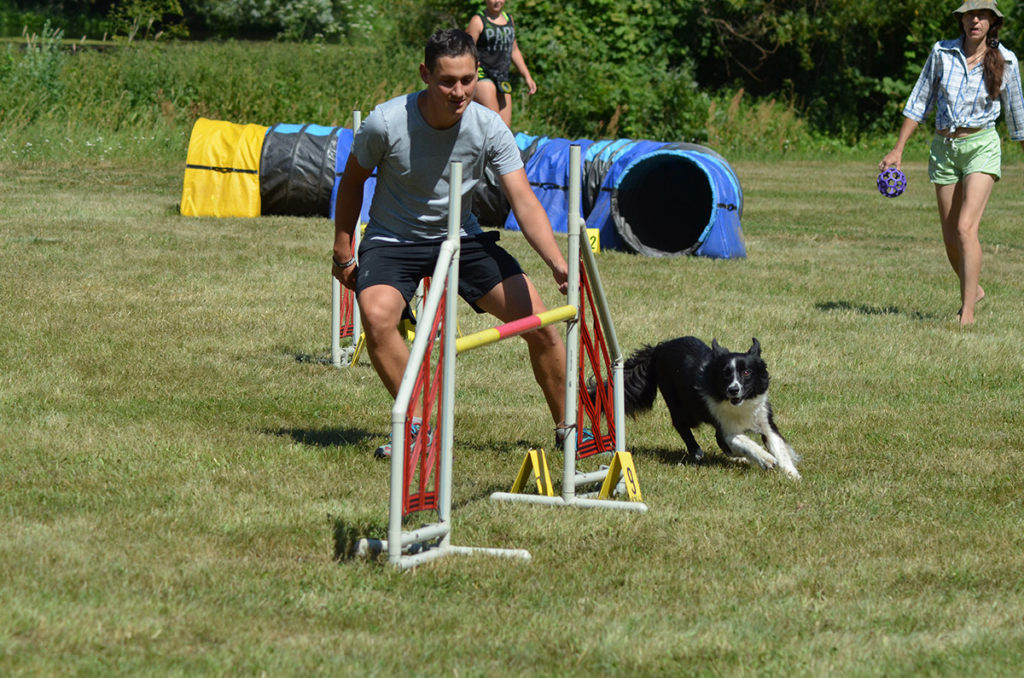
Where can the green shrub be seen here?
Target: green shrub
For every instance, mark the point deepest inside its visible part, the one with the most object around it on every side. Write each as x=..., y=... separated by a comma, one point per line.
x=148, y=18
x=287, y=20
x=158, y=90
x=591, y=99
x=19, y=18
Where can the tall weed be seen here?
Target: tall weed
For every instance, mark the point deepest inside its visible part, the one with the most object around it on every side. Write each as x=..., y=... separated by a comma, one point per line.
x=31, y=83
x=741, y=123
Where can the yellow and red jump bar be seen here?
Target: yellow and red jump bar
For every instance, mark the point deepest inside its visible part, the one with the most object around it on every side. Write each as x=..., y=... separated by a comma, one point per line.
x=516, y=327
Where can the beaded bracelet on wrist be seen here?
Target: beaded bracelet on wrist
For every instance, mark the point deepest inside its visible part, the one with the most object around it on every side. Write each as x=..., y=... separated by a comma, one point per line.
x=345, y=265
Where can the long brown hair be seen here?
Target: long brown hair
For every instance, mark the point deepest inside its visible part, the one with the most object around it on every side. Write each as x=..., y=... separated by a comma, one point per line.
x=994, y=61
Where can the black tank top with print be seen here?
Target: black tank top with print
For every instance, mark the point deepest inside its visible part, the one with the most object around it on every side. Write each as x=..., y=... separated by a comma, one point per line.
x=494, y=47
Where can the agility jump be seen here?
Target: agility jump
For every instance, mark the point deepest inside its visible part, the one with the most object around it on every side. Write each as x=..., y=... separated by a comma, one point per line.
x=603, y=420
x=421, y=465
x=421, y=461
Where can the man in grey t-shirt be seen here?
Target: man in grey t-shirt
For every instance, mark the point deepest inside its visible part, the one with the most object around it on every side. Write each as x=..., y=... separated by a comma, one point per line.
x=410, y=141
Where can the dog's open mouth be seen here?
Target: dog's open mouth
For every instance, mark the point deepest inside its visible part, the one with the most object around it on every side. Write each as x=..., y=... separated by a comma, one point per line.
x=736, y=401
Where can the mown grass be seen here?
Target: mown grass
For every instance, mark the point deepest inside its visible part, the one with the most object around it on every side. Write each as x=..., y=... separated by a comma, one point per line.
x=179, y=467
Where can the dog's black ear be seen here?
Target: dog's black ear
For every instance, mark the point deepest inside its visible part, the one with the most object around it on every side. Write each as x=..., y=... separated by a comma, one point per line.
x=716, y=348
x=755, y=348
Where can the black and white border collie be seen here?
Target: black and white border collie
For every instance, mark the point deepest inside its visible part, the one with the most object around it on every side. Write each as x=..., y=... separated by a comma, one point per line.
x=710, y=385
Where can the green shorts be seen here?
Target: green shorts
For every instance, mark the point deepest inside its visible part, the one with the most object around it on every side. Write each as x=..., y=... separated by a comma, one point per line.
x=951, y=160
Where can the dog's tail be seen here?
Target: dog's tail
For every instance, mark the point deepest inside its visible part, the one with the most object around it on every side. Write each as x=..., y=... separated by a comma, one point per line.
x=639, y=381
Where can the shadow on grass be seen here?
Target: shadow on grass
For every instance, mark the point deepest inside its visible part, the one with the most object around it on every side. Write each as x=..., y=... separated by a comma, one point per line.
x=517, y=448
x=864, y=309
x=680, y=457
x=306, y=358
x=355, y=540
x=329, y=437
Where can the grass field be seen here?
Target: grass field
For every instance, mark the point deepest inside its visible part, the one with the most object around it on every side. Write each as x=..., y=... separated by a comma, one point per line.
x=179, y=467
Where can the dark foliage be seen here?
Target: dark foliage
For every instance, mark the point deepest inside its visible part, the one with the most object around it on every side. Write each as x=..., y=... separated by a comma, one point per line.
x=640, y=68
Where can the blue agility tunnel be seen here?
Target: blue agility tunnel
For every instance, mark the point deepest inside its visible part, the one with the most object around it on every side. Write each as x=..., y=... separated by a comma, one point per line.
x=344, y=148
x=649, y=197
x=547, y=168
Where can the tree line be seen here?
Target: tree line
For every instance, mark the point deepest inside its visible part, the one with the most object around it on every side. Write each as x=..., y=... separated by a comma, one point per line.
x=648, y=66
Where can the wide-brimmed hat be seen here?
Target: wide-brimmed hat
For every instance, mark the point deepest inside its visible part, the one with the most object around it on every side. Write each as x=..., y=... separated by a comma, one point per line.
x=977, y=6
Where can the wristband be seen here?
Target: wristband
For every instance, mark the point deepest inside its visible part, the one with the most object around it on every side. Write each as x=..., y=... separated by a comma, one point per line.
x=345, y=265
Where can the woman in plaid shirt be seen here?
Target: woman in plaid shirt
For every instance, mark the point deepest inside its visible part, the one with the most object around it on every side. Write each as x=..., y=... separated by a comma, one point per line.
x=967, y=81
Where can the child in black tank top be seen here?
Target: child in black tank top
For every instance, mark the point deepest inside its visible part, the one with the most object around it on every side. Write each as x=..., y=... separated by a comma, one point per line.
x=494, y=32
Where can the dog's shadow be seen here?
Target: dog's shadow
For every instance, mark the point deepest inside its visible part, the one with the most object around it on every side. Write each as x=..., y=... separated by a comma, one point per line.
x=680, y=457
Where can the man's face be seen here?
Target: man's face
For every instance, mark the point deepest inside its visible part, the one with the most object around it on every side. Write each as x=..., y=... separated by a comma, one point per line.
x=451, y=84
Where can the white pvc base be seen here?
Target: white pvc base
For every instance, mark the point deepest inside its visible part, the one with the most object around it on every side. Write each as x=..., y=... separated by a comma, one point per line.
x=417, y=554
x=584, y=500
x=579, y=502
x=344, y=356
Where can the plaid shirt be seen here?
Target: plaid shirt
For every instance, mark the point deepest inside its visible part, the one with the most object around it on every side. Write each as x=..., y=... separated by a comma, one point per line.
x=959, y=96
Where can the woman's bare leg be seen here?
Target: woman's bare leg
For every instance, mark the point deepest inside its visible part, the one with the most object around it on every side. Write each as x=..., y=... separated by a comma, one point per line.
x=505, y=107
x=961, y=207
x=487, y=94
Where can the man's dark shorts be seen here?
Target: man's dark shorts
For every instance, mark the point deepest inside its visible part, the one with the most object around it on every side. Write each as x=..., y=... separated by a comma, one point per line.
x=482, y=265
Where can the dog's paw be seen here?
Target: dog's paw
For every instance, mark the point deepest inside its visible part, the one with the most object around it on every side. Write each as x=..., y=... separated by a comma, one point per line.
x=692, y=457
x=790, y=471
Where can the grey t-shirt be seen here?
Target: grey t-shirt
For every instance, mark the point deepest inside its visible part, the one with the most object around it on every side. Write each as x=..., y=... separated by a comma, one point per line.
x=410, y=201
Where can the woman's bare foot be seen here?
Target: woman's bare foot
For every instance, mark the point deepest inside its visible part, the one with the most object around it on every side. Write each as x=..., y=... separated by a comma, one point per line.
x=964, y=322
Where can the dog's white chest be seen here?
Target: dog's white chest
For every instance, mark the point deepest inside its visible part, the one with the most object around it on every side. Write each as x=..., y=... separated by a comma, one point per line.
x=747, y=416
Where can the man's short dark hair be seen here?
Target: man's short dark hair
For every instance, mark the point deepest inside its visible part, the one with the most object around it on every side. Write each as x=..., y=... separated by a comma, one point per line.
x=448, y=42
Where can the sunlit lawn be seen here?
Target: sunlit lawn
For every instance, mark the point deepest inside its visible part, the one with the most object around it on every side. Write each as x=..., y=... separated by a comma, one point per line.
x=179, y=467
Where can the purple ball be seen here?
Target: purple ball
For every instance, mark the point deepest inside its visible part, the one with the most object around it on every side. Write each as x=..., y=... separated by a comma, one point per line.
x=891, y=182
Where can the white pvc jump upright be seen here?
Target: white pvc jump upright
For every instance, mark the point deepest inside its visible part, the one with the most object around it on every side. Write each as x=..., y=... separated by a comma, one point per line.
x=339, y=356
x=400, y=541
x=571, y=480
